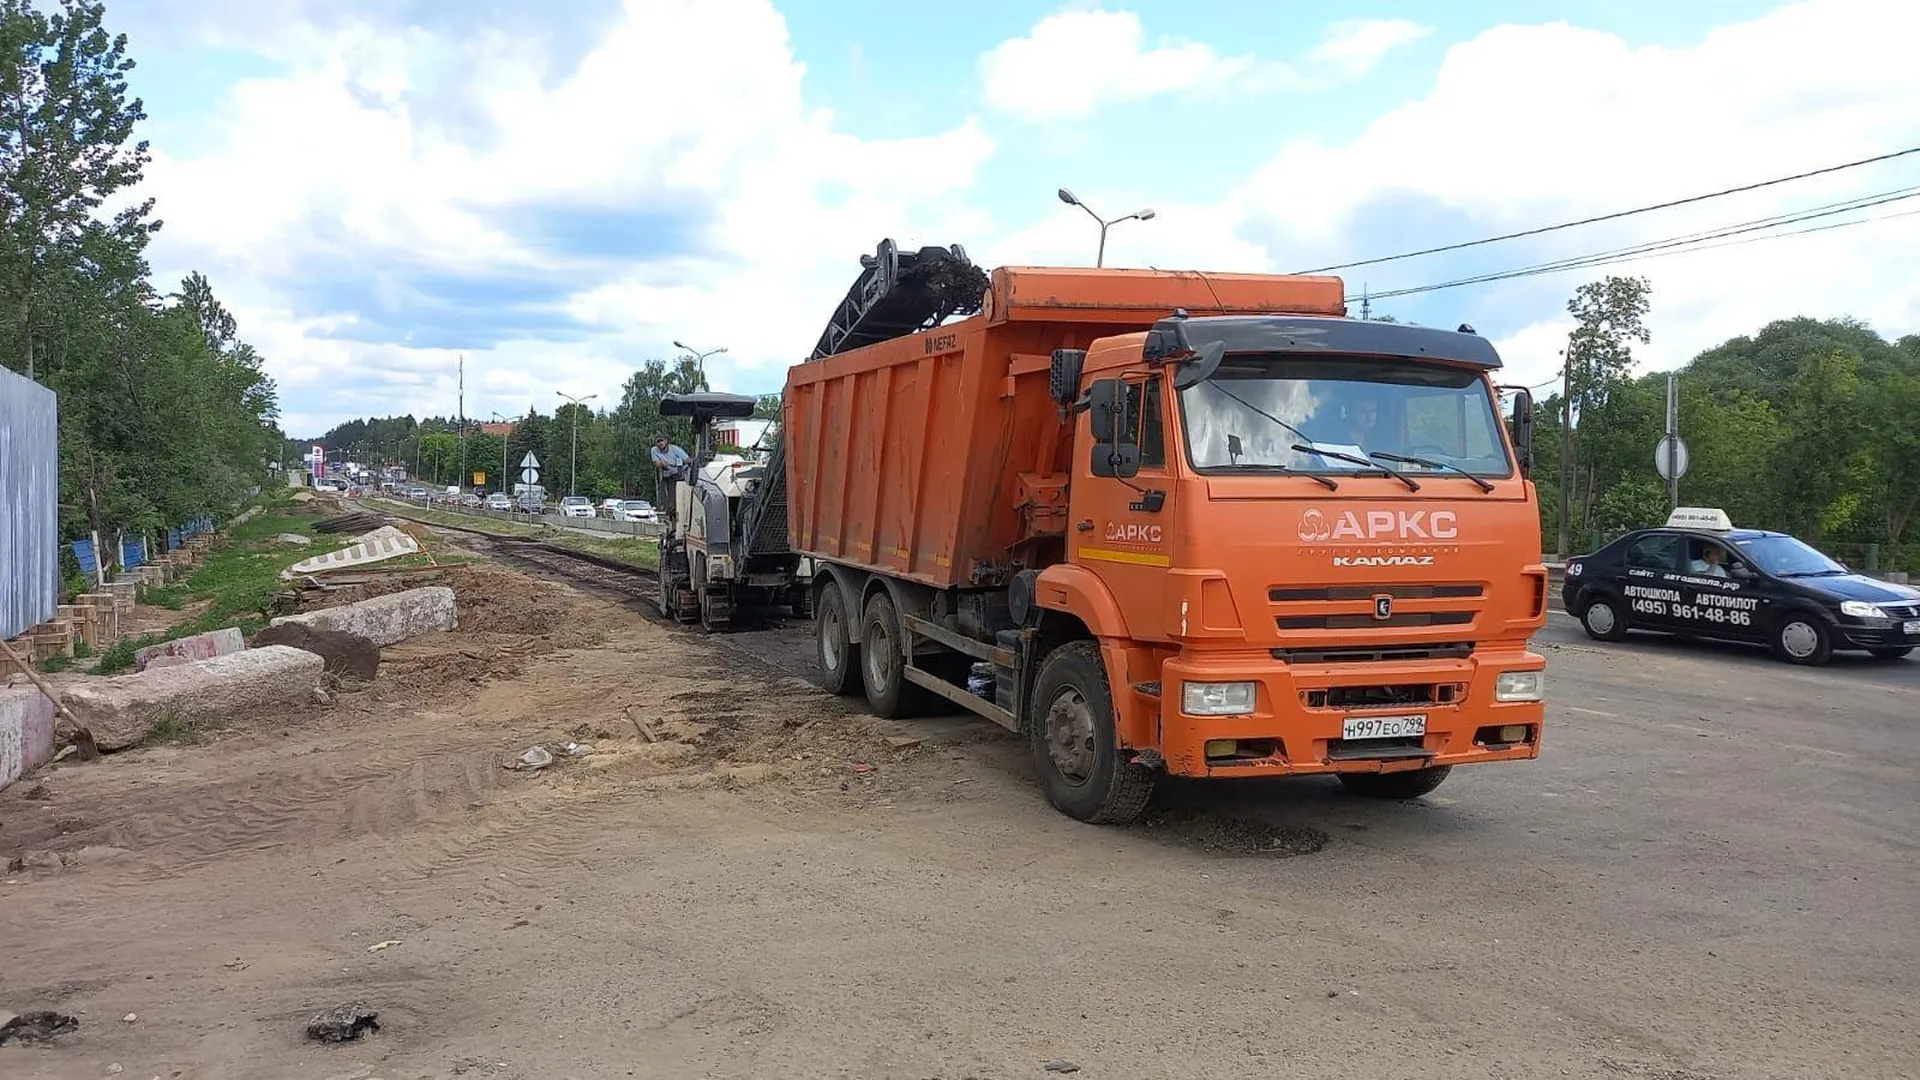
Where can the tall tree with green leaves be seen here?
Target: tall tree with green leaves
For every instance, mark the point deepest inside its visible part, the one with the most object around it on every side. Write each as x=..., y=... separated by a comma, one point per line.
x=1609, y=318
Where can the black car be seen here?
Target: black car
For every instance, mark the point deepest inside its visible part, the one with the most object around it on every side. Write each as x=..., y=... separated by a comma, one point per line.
x=1696, y=578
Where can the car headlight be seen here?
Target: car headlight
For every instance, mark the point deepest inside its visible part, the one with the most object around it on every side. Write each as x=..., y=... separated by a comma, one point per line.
x=1519, y=686
x=1860, y=609
x=1216, y=698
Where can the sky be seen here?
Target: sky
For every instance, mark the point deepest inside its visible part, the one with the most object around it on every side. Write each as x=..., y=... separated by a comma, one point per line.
x=556, y=193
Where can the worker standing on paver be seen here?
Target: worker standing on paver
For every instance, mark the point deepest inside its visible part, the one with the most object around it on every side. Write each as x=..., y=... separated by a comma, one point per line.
x=668, y=461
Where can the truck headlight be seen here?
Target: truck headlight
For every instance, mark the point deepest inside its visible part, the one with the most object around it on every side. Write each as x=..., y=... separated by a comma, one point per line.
x=1519, y=686
x=1216, y=698
x=1860, y=609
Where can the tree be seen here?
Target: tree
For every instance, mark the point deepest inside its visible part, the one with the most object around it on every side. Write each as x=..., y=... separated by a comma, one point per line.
x=768, y=408
x=1609, y=317
x=65, y=126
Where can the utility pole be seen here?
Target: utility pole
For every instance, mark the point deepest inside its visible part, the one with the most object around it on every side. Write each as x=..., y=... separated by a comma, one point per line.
x=1673, y=441
x=1566, y=444
x=505, y=437
x=462, y=478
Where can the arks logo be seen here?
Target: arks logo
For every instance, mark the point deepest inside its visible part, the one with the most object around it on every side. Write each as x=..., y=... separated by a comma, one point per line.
x=1358, y=527
x=1127, y=533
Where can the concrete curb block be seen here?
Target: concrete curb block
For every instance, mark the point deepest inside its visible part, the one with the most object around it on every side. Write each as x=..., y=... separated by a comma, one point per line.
x=26, y=732
x=122, y=710
x=198, y=647
x=386, y=620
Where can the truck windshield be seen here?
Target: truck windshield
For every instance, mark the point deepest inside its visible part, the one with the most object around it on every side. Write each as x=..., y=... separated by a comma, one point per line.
x=1256, y=408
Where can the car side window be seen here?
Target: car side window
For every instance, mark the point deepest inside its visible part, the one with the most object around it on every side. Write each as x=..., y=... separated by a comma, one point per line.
x=1655, y=552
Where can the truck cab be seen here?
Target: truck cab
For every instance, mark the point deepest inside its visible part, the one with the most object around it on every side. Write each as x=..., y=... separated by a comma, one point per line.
x=1303, y=545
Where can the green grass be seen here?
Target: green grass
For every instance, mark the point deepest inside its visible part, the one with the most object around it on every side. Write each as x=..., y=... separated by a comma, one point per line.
x=173, y=729
x=237, y=582
x=634, y=550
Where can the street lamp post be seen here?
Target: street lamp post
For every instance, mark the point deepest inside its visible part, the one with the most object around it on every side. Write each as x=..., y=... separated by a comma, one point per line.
x=505, y=437
x=573, y=462
x=1071, y=199
x=700, y=358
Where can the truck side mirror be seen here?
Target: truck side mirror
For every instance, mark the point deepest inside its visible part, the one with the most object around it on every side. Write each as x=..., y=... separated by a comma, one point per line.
x=1106, y=399
x=1523, y=429
x=1119, y=460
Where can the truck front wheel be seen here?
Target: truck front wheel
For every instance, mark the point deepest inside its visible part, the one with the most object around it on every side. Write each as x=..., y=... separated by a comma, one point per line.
x=839, y=658
x=1398, y=786
x=1075, y=749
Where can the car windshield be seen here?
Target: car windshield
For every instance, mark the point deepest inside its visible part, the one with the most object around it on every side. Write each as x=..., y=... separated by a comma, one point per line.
x=1783, y=556
x=1256, y=408
x=574, y=500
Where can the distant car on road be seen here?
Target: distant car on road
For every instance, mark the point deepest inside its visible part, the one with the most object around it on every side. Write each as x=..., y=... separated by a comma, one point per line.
x=636, y=510
x=499, y=501
x=576, y=506
x=1699, y=576
x=610, y=507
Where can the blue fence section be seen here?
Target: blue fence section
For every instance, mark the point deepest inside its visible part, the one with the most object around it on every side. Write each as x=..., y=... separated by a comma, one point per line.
x=133, y=552
x=29, y=504
x=84, y=554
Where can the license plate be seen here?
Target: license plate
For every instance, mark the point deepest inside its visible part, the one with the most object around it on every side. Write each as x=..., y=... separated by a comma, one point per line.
x=1383, y=727
x=1911, y=628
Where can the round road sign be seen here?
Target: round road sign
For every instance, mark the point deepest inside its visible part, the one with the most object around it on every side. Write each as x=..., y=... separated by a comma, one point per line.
x=1679, y=467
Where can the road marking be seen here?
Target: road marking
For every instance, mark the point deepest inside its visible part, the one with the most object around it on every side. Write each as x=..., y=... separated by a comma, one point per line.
x=1591, y=712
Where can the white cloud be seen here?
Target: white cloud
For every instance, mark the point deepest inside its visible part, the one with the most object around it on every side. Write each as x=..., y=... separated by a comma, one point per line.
x=1526, y=125
x=1075, y=61
x=1354, y=47
x=679, y=102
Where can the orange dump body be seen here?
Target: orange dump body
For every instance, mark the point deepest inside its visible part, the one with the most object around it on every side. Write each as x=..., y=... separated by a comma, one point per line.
x=906, y=457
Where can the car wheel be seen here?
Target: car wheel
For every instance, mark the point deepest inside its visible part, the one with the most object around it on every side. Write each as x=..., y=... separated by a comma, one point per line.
x=1603, y=620
x=1800, y=639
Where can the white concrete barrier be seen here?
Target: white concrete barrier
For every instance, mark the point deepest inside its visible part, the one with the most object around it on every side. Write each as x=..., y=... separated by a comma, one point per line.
x=386, y=620
x=122, y=710
x=26, y=732
x=198, y=647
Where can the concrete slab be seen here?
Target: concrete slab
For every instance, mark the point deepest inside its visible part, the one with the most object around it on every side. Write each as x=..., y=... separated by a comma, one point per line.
x=26, y=732
x=121, y=710
x=294, y=539
x=385, y=620
x=198, y=647
x=383, y=543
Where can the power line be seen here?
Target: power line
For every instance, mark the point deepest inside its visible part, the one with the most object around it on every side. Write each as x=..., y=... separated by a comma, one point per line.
x=1660, y=249
x=1618, y=214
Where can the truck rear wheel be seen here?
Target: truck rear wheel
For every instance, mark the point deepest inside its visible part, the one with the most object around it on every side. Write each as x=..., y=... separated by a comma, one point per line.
x=883, y=661
x=838, y=656
x=1398, y=786
x=1075, y=748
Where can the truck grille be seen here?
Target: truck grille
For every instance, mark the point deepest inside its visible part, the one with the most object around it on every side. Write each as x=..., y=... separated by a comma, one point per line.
x=1368, y=654
x=1304, y=607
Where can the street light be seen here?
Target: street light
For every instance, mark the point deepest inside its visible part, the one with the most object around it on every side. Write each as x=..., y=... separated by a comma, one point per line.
x=1071, y=199
x=700, y=358
x=505, y=437
x=573, y=463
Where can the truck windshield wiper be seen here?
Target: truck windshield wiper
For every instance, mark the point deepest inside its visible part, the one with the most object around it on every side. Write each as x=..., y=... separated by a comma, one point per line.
x=1330, y=482
x=1412, y=484
x=1449, y=466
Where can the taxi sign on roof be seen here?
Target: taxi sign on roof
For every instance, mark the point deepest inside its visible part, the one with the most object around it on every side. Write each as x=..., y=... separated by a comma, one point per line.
x=1711, y=518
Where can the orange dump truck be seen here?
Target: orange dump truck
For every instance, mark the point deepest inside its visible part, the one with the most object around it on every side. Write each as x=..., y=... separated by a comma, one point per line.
x=1174, y=523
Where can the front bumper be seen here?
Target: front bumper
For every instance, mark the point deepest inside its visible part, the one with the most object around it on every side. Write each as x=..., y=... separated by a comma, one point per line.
x=1299, y=711
x=1852, y=635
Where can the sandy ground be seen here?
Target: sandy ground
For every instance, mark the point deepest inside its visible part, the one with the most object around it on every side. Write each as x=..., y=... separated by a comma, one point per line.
x=1710, y=875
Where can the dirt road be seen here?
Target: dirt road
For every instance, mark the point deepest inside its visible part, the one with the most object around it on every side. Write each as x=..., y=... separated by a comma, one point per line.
x=1711, y=875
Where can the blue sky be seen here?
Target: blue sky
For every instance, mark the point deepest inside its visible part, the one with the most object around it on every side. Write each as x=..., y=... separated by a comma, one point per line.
x=381, y=188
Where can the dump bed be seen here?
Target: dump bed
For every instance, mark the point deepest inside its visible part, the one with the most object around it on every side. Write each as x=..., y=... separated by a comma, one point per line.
x=904, y=456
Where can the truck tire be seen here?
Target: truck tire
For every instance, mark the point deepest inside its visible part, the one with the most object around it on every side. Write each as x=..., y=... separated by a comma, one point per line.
x=883, y=662
x=1075, y=749
x=1398, y=786
x=838, y=656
